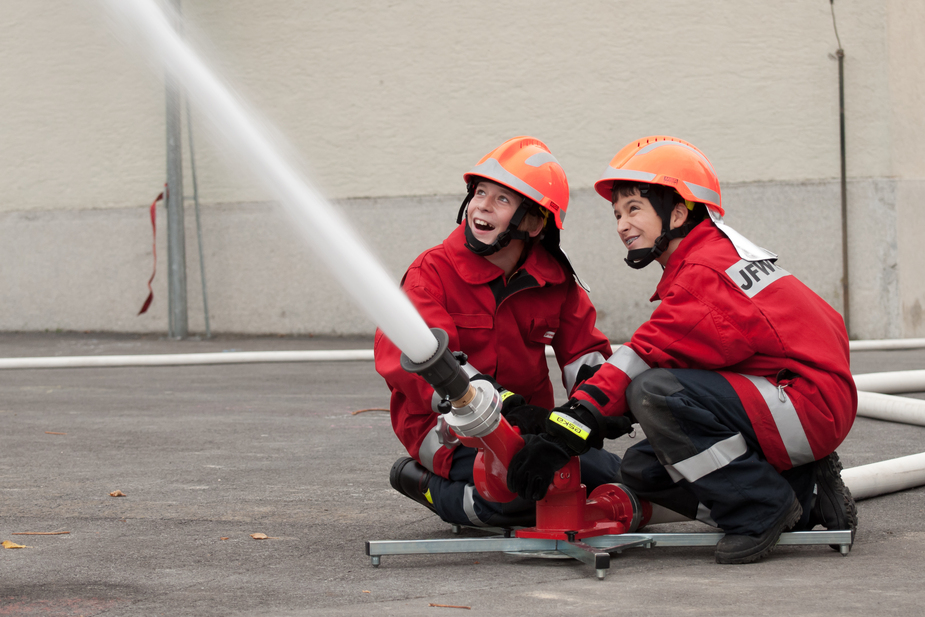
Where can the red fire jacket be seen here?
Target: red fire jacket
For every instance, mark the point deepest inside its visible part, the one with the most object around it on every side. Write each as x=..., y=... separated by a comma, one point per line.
x=502, y=327
x=782, y=348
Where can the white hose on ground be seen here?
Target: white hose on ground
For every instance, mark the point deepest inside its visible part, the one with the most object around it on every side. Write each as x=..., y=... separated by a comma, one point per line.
x=896, y=343
x=896, y=474
x=871, y=345
x=891, y=382
x=891, y=408
x=182, y=359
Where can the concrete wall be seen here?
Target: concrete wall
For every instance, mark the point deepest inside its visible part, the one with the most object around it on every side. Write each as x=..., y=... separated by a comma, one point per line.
x=387, y=105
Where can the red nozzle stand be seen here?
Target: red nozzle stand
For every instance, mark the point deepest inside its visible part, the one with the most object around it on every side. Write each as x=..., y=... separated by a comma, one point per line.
x=567, y=514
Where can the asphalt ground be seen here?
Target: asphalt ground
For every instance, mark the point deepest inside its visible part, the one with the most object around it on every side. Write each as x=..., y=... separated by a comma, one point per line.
x=206, y=456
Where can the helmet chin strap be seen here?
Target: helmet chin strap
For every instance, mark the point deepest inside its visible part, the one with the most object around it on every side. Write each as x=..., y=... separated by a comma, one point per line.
x=502, y=240
x=640, y=258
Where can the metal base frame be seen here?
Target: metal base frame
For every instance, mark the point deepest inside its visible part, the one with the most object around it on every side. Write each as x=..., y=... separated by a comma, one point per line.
x=595, y=552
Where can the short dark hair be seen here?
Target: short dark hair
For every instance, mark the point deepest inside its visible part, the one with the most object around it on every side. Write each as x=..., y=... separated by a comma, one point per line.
x=628, y=188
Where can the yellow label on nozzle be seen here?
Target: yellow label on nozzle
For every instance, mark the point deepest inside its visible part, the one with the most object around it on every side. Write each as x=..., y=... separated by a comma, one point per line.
x=570, y=424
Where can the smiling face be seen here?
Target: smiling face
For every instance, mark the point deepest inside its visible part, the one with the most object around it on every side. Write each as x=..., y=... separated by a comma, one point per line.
x=638, y=224
x=491, y=209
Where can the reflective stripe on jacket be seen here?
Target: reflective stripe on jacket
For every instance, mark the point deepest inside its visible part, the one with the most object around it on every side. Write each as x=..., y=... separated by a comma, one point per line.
x=782, y=347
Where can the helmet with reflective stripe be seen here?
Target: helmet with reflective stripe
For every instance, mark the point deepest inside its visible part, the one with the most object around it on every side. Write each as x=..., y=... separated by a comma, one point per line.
x=667, y=161
x=525, y=164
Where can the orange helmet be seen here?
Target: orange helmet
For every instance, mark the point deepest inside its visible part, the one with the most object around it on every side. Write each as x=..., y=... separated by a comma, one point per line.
x=525, y=165
x=667, y=161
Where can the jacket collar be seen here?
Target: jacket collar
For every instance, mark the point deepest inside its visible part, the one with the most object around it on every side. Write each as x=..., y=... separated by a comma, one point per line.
x=477, y=270
x=700, y=235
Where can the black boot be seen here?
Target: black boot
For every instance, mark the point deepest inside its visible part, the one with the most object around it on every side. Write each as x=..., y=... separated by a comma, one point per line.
x=833, y=505
x=411, y=479
x=746, y=549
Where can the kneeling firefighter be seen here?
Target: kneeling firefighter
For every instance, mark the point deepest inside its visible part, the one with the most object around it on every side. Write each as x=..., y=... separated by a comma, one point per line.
x=502, y=289
x=740, y=379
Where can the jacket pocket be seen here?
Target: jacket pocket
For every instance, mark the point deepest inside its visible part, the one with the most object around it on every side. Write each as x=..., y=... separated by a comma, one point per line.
x=543, y=330
x=473, y=321
x=477, y=339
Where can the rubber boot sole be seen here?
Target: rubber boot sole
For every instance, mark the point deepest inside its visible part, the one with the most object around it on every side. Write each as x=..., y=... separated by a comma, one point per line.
x=837, y=496
x=737, y=549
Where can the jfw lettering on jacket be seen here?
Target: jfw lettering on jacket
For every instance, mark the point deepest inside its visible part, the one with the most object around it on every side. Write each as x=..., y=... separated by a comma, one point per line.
x=753, y=276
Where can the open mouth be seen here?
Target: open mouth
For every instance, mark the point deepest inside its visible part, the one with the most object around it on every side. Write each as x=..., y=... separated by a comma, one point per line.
x=630, y=240
x=481, y=225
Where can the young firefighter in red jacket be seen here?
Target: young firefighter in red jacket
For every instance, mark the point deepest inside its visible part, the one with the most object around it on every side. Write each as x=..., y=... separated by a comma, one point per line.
x=740, y=378
x=502, y=289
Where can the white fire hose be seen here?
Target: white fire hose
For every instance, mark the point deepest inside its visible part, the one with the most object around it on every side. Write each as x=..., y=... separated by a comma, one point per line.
x=891, y=408
x=897, y=474
x=183, y=359
x=891, y=382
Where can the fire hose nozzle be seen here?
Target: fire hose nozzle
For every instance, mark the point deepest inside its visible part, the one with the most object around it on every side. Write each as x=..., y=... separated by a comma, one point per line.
x=476, y=406
x=442, y=370
x=475, y=419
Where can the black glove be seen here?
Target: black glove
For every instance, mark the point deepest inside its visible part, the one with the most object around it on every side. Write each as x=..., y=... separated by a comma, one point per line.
x=530, y=419
x=580, y=426
x=533, y=467
x=511, y=401
x=586, y=372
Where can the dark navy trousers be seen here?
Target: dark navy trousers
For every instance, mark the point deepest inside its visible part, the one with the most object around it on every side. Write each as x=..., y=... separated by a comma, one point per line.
x=701, y=457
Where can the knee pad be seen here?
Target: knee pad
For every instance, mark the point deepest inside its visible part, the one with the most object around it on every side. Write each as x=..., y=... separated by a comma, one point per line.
x=647, y=398
x=646, y=394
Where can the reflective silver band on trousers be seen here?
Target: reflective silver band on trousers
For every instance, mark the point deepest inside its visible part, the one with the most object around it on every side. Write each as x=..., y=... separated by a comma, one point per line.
x=787, y=421
x=429, y=448
x=628, y=361
x=724, y=452
x=469, y=506
x=570, y=372
x=715, y=457
x=704, y=516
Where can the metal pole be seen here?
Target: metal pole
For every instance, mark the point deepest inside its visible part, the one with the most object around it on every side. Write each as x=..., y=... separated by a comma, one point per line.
x=844, y=192
x=840, y=54
x=176, y=233
x=202, y=265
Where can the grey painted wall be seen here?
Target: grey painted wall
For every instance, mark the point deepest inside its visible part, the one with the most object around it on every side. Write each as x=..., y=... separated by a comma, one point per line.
x=88, y=269
x=388, y=104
